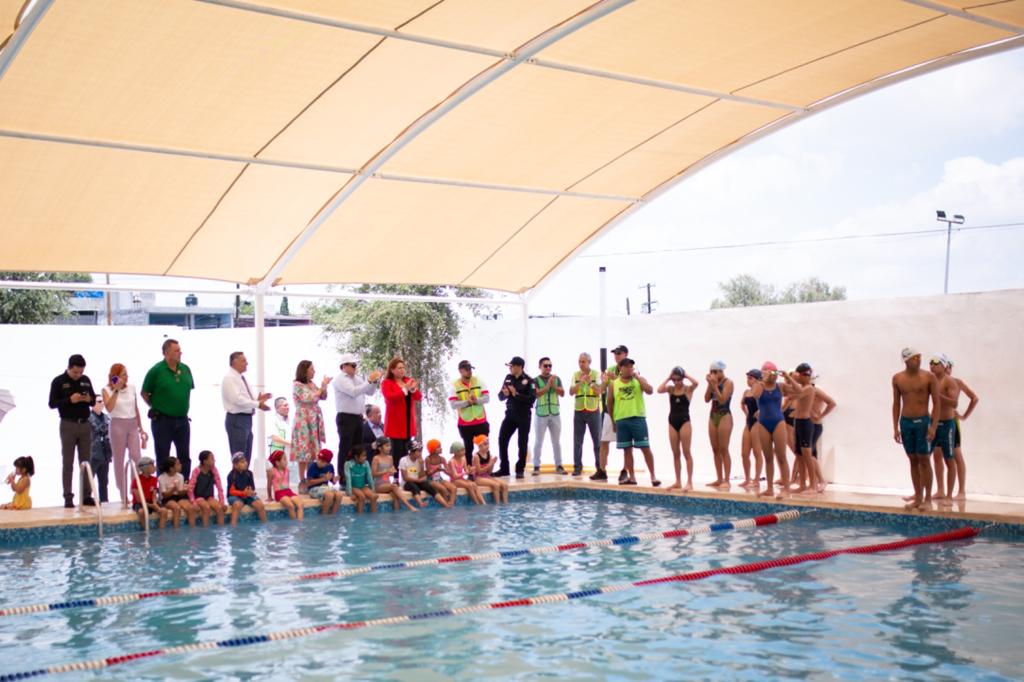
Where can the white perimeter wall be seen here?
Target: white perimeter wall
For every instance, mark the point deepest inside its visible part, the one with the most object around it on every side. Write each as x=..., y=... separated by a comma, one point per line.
x=853, y=345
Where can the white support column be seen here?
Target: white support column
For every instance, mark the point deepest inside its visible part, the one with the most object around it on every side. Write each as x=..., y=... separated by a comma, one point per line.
x=525, y=352
x=602, y=317
x=259, y=446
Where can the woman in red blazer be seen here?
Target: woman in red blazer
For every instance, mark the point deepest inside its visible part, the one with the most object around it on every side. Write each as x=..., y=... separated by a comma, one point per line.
x=400, y=392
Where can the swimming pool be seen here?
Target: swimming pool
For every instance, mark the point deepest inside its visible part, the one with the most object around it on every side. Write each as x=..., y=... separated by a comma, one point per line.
x=932, y=611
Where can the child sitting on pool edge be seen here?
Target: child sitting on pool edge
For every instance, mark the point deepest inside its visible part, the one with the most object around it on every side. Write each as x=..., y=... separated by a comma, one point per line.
x=242, y=489
x=24, y=470
x=359, y=480
x=319, y=477
x=149, y=484
x=483, y=470
x=280, y=486
x=459, y=470
x=436, y=468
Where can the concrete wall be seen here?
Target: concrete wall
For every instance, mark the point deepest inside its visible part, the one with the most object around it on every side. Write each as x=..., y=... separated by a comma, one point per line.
x=853, y=345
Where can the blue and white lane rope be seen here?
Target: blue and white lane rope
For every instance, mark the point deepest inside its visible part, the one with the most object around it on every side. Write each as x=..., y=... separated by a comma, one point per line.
x=100, y=663
x=766, y=520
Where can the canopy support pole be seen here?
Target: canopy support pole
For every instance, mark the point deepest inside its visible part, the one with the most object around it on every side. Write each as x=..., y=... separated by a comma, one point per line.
x=259, y=454
x=526, y=327
x=602, y=316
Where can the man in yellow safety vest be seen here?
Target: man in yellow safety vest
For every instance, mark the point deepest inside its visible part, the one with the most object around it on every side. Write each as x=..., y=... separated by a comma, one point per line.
x=468, y=397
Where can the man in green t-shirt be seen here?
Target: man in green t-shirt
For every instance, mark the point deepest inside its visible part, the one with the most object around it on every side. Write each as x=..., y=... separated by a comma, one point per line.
x=629, y=418
x=166, y=389
x=547, y=415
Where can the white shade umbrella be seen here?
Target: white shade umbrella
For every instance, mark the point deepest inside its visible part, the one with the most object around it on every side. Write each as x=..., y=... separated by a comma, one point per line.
x=6, y=402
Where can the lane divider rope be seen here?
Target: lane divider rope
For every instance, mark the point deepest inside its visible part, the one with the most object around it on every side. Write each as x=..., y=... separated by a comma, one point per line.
x=766, y=520
x=235, y=642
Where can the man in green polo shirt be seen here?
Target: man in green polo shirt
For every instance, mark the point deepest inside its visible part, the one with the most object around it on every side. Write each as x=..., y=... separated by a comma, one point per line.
x=629, y=418
x=166, y=389
x=547, y=415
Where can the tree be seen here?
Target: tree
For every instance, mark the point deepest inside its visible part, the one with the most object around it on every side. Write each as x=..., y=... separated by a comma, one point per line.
x=422, y=334
x=746, y=290
x=283, y=310
x=36, y=306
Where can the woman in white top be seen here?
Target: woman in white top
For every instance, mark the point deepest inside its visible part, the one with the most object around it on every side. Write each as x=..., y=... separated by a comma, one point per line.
x=126, y=431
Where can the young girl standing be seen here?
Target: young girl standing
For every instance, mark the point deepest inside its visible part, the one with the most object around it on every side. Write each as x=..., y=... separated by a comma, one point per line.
x=680, y=386
x=20, y=481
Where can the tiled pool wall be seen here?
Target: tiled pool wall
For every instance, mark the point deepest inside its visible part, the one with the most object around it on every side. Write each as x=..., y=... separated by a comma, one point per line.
x=726, y=508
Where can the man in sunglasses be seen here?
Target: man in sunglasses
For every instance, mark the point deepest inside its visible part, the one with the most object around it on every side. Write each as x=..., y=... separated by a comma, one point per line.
x=547, y=416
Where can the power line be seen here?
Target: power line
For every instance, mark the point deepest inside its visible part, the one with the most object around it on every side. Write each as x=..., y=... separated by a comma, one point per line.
x=814, y=240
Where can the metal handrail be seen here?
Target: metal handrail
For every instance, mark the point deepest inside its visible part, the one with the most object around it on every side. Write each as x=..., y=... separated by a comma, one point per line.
x=88, y=475
x=131, y=472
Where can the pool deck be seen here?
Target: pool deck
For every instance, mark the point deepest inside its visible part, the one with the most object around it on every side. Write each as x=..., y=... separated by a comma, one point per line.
x=1008, y=512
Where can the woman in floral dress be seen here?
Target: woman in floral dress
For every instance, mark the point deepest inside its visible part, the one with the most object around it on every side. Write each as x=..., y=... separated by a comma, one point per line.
x=308, y=433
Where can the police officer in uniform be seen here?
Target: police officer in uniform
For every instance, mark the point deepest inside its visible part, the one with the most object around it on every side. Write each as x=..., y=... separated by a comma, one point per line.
x=519, y=393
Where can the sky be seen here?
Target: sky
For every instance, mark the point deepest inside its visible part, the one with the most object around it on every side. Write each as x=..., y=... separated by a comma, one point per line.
x=885, y=162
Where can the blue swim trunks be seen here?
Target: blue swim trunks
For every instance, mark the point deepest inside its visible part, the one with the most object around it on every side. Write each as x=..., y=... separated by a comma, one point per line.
x=946, y=436
x=631, y=432
x=914, y=432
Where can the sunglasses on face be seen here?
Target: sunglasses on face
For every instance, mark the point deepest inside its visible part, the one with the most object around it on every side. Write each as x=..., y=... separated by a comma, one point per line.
x=546, y=366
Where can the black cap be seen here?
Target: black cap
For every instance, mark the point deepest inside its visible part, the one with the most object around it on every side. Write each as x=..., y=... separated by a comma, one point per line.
x=464, y=364
x=620, y=349
x=803, y=368
x=76, y=360
x=516, y=361
x=755, y=374
x=626, y=361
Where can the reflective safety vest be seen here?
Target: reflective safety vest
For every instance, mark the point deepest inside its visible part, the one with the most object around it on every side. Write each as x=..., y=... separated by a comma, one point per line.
x=470, y=414
x=587, y=399
x=547, y=404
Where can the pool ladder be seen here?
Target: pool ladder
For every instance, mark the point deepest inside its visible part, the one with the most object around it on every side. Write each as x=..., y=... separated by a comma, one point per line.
x=131, y=473
x=90, y=477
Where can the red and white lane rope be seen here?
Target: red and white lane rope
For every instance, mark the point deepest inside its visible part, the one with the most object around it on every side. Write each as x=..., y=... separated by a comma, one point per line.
x=949, y=536
x=766, y=520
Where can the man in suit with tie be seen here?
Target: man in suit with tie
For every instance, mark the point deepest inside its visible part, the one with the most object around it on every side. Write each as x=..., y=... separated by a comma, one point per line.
x=240, y=403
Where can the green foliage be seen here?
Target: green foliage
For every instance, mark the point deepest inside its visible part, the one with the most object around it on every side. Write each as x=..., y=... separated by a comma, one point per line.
x=36, y=306
x=422, y=334
x=745, y=290
x=283, y=310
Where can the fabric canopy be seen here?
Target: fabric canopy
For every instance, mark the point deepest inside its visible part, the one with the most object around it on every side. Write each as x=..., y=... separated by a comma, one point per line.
x=480, y=142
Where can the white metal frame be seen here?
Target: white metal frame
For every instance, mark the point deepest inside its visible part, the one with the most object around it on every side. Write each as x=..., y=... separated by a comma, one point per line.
x=131, y=474
x=86, y=474
x=28, y=24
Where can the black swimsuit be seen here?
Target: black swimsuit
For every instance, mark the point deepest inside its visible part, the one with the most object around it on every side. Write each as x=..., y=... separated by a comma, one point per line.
x=678, y=410
x=751, y=404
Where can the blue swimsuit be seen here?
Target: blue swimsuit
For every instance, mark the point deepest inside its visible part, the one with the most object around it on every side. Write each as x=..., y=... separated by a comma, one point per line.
x=769, y=409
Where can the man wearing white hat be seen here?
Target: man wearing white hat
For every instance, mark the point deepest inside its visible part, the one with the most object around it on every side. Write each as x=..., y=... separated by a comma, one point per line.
x=914, y=422
x=350, y=393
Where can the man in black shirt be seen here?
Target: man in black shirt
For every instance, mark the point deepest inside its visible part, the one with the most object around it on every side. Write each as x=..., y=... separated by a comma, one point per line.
x=519, y=392
x=72, y=396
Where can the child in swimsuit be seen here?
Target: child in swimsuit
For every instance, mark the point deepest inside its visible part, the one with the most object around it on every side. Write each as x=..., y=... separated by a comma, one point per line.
x=24, y=469
x=751, y=443
x=242, y=489
x=319, y=477
x=359, y=480
x=458, y=472
x=174, y=494
x=383, y=469
x=279, y=484
x=436, y=467
x=204, y=482
x=483, y=465
x=148, y=497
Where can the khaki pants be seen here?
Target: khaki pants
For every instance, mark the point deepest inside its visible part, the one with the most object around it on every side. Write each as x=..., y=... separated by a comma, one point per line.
x=73, y=435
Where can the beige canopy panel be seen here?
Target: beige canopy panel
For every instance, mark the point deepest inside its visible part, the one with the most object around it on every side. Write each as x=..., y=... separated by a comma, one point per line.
x=462, y=142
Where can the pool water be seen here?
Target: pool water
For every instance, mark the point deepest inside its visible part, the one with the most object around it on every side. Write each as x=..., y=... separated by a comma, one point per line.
x=945, y=611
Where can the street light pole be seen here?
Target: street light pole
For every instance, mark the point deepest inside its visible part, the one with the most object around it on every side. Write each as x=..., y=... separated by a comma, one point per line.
x=955, y=220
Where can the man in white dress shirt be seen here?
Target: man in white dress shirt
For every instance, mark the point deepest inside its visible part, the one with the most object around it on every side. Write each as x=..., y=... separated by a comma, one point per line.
x=239, y=405
x=350, y=393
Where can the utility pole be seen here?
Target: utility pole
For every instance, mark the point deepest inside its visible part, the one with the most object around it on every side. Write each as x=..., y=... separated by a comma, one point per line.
x=110, y=314
x=627, y=306
x=649, y=306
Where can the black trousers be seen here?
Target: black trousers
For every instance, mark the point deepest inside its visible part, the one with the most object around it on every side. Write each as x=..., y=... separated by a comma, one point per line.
x=350, y=434
x=168, y=431
x=467, y=433
x=514, y=423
